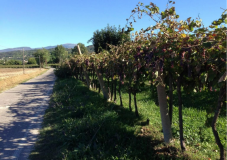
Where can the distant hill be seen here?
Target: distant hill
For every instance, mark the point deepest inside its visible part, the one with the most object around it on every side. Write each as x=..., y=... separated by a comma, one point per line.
x=67, y=45
x=90, y=48
x=15, y=49
x=16, y=53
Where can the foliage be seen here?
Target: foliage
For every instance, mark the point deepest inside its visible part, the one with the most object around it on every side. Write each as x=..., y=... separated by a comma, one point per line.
x=83, y=49
x=108, y=35
x=59, y=54
x=63, y=71
x=43, y=55
x=2, y=61
x=13, y=62
x=53, y=65
x=16, y=54
x=32, y=61
x=90, y=48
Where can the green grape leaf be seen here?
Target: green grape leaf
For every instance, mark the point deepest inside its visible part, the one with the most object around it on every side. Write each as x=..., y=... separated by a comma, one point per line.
x=170, y=11
x=214, y=23
x=170, y=30
x=225, y=21
x=224, y=43
x=191, y=28
x=147, y=6
x=204, y=77
x=156, y=73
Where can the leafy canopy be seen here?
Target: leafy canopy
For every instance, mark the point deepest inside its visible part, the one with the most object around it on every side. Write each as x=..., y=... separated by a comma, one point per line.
x=59, y=54
x=43, y=54
x=108, y=35
x=83, y=49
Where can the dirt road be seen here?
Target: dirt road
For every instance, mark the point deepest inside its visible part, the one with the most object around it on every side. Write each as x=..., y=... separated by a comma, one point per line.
x=21, y=112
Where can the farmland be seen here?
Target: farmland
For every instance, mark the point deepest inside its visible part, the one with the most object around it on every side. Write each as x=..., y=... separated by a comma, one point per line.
x=10, y=72
x=9, y=77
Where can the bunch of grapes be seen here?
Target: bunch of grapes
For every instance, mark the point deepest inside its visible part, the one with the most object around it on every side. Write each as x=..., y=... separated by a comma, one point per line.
x=87, y=62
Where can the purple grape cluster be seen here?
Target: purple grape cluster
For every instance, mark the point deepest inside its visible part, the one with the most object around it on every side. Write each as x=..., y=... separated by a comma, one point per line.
x=87, y=62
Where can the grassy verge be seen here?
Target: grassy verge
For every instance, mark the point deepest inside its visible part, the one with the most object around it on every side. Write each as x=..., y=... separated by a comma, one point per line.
x=12, y=81
x=80, y=124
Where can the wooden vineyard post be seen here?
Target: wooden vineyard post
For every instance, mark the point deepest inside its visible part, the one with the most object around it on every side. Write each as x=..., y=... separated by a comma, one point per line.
x=23, y=61
x=39, y=63
x=85, y=72
x=102, y=85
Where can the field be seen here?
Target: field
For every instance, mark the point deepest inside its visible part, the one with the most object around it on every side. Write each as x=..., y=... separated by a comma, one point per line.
x=9, y=77
x=20, y=66
x=9, y=72
x=28, y=66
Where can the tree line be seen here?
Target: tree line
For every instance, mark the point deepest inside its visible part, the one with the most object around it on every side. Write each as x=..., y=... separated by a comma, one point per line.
x=43, y=56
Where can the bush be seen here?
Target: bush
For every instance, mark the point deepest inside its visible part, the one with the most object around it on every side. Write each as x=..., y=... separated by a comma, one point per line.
x=13, y=62
x=83, y=49
x=63, y=71
x=32, y=61
x=53, y=65
x=2, y=61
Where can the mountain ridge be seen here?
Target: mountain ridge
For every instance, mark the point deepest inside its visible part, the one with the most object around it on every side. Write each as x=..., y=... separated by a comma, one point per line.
x=66, y=45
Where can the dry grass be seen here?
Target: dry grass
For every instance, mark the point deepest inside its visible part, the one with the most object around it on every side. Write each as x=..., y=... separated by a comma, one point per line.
x=9, y=72
x=11, y=77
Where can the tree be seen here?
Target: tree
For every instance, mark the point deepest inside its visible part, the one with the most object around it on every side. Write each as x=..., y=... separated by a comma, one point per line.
x=44, y=56
x=13, y=62
x=2, y=61
x=83, y=49
x=32, y=61
x=108, y=35
x=59, y=54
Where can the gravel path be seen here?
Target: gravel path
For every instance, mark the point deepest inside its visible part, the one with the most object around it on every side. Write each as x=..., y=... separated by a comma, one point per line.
x=21, y=112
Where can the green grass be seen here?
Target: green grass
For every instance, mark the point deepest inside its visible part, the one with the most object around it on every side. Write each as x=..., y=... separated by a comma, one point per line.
x=80, y=124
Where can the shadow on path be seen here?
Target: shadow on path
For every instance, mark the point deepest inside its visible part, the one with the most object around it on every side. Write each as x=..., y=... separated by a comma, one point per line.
x=20, y=122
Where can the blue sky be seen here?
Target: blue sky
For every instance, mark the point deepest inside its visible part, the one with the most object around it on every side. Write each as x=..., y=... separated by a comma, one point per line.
x=40, y=23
